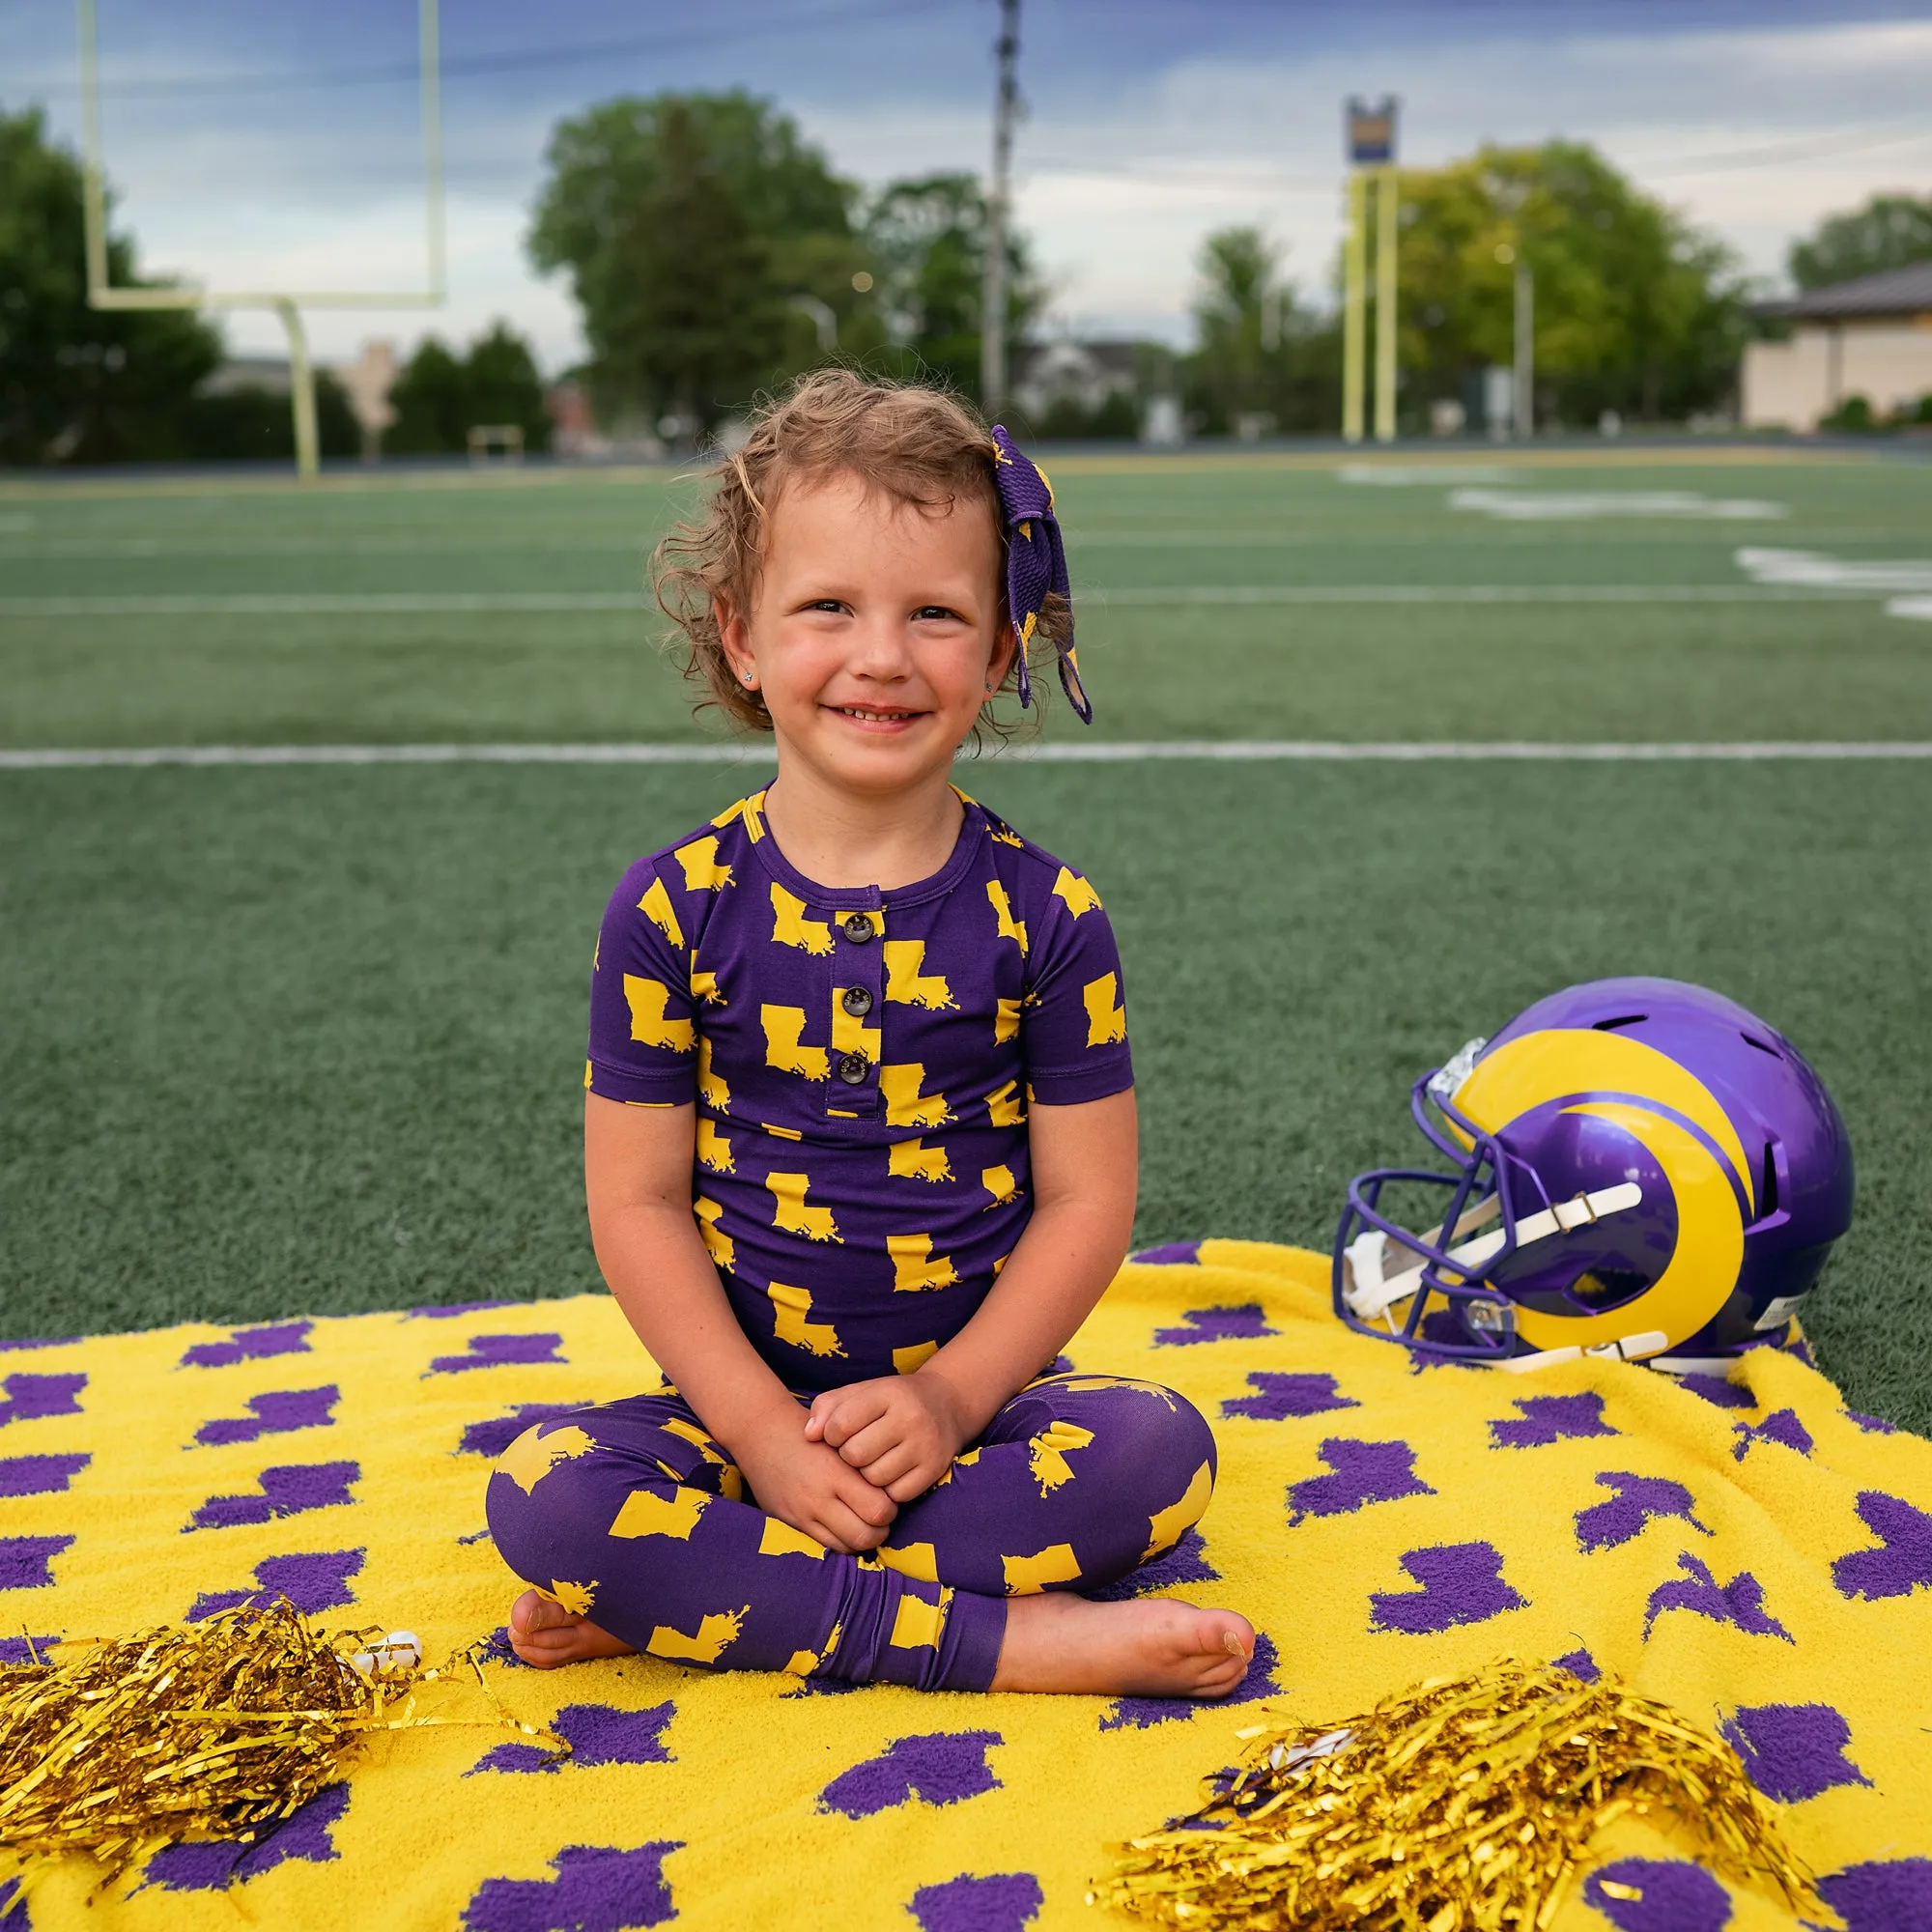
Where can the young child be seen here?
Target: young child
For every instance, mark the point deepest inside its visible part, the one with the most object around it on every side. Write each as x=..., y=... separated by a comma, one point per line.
x=860, y=1140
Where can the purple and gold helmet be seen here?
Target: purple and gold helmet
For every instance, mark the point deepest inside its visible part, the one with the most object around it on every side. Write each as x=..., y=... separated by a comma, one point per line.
x=1640, y=1168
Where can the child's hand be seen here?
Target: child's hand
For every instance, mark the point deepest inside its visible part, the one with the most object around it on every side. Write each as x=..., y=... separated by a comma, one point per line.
x=805, y=1484
x=901, y=1432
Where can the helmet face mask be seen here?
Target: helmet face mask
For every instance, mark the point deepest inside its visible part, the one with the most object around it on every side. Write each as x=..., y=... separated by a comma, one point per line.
x=1635, y=1167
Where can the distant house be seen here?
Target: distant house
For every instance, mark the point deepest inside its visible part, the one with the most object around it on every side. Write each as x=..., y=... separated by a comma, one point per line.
x=1085, y=374
x=1869, y=337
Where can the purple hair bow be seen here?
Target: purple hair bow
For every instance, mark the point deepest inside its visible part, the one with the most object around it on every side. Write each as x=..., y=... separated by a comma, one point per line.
x=1036, y=564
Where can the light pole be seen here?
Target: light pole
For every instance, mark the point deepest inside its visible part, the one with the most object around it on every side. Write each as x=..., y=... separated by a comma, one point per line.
x=993, y=284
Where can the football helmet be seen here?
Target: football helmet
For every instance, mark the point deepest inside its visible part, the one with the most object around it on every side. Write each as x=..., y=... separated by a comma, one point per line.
x=1637, y=1168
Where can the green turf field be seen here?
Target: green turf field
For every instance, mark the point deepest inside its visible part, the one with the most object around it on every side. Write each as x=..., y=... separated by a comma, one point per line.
x=307, y=1040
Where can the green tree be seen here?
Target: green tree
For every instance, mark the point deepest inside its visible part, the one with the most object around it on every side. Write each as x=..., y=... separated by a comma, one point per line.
x=686, y=225
x=928, y=239
x=1891, y=231
x=1259, y=351
x=1635, y=310
x=256, y=424
x=80, y=385
x=441, y=395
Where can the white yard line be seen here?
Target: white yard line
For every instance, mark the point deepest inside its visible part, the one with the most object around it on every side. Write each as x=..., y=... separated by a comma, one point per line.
x=1315, y=751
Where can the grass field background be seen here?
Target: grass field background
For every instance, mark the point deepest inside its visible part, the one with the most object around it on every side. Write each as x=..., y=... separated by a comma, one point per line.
x=308, y=1040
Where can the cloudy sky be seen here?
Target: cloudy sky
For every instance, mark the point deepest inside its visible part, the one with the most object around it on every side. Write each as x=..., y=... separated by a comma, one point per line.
x=264, y=142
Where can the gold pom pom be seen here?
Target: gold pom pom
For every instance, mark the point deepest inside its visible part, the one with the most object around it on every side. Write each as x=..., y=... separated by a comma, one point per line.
x=216, y=1730
x=1461, y=1803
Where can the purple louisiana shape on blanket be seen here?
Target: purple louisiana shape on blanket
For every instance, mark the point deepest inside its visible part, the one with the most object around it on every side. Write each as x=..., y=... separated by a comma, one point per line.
x=1461, y=1584
x=13, y=1908
x=1543, y=1419
x=1740, y=1603
x=288, y=1490
x=940, y=1767
x=40, y=1475
x=1793, y=1751
x=1872, y=1425
x=444, y=1311
x=278, y=1412
x=251, y=1345
x=1277, y=1398
x=498, y=1352
x=1006, y=1902
x=1672, y=1895
x=1142, y=1713
x=25, y=1649
x=597, y=1889
x=596, y=1734
x=1580, y=1665
x=24, y=1561
x=1245, y=1323
x=1904, y=1562
x=29, y=1398
x=312, y=1583
x=1363, y=1473
x=1185, y=1563
x=1780, y=1425
x=1886, y=1896
x=1637, y=1500
x=1173, y=1254
x=1718, y=1391
x=213, y=1867
x=492, y=1437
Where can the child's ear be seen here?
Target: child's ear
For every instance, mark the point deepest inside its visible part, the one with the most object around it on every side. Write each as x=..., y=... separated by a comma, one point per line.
x=730, y=630
x=1002, y=661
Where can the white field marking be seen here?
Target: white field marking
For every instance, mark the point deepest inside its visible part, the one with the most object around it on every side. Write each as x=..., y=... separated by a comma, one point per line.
x=1524, y=506
x=1813, y=570
x=1410, y=475
x=466, y=603
x=1466, y=593
x=1122, y=751
x=1910, y=606
x=325, y=602
x=13, y=522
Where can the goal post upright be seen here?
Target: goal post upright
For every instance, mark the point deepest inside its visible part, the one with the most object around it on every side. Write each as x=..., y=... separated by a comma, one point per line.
x=287, y=304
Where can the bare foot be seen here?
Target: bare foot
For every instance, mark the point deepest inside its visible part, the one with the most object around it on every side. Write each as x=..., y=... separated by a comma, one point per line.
x=546, y=1635
x=1154, y=1648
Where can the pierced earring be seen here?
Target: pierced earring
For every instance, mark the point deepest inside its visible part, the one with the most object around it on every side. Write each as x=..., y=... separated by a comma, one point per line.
x=747, y=677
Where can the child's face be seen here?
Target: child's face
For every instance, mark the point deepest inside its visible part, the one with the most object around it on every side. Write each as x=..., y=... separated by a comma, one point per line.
x=871, y=632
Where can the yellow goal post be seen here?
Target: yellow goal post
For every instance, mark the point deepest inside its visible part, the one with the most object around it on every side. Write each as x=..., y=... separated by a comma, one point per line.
x=287, y=303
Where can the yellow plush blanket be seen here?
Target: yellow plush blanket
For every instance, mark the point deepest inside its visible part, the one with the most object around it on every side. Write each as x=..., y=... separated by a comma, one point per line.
x=1748, y=1550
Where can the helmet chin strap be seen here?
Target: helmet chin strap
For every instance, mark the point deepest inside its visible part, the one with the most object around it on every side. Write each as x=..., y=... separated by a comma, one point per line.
x=1370, y=1293
x=1625, y=1348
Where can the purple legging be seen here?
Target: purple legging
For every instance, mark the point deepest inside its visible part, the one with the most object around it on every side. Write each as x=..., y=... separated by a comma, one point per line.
x=632, y=1514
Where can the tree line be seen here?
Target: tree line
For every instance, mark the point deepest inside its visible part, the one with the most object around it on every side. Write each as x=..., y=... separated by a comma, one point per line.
x=713, y=252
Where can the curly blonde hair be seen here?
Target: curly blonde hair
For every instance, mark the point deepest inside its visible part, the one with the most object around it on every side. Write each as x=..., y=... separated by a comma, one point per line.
x=911, y=444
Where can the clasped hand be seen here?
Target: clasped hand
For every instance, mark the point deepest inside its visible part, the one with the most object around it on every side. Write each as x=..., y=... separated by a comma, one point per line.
x=866, y=1448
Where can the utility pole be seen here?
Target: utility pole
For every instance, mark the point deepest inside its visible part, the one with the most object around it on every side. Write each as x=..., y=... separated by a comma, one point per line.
x=1525, y=400
x=993, y=286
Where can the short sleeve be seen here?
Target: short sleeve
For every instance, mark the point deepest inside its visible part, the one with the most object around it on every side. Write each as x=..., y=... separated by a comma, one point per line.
x=1073, y=1022
x=643, y=1045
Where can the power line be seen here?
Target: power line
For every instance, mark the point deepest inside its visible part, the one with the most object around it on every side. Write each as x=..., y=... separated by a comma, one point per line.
x=505, y=60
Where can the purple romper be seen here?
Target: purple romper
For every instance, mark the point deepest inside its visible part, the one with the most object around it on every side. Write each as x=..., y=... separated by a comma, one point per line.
x=861, y=1065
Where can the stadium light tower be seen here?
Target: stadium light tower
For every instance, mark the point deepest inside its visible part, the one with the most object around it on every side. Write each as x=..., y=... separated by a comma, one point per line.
x=1370, y=154
x=993, y=283
x=287, y=304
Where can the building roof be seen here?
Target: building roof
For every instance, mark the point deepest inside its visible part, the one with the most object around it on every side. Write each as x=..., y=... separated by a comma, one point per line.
x=1895, y=292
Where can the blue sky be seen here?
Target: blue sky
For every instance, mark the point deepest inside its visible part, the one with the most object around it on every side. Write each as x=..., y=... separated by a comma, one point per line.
x=277, y=143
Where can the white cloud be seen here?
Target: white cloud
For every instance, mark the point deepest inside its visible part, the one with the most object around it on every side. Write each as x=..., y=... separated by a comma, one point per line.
x=1117, y=187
